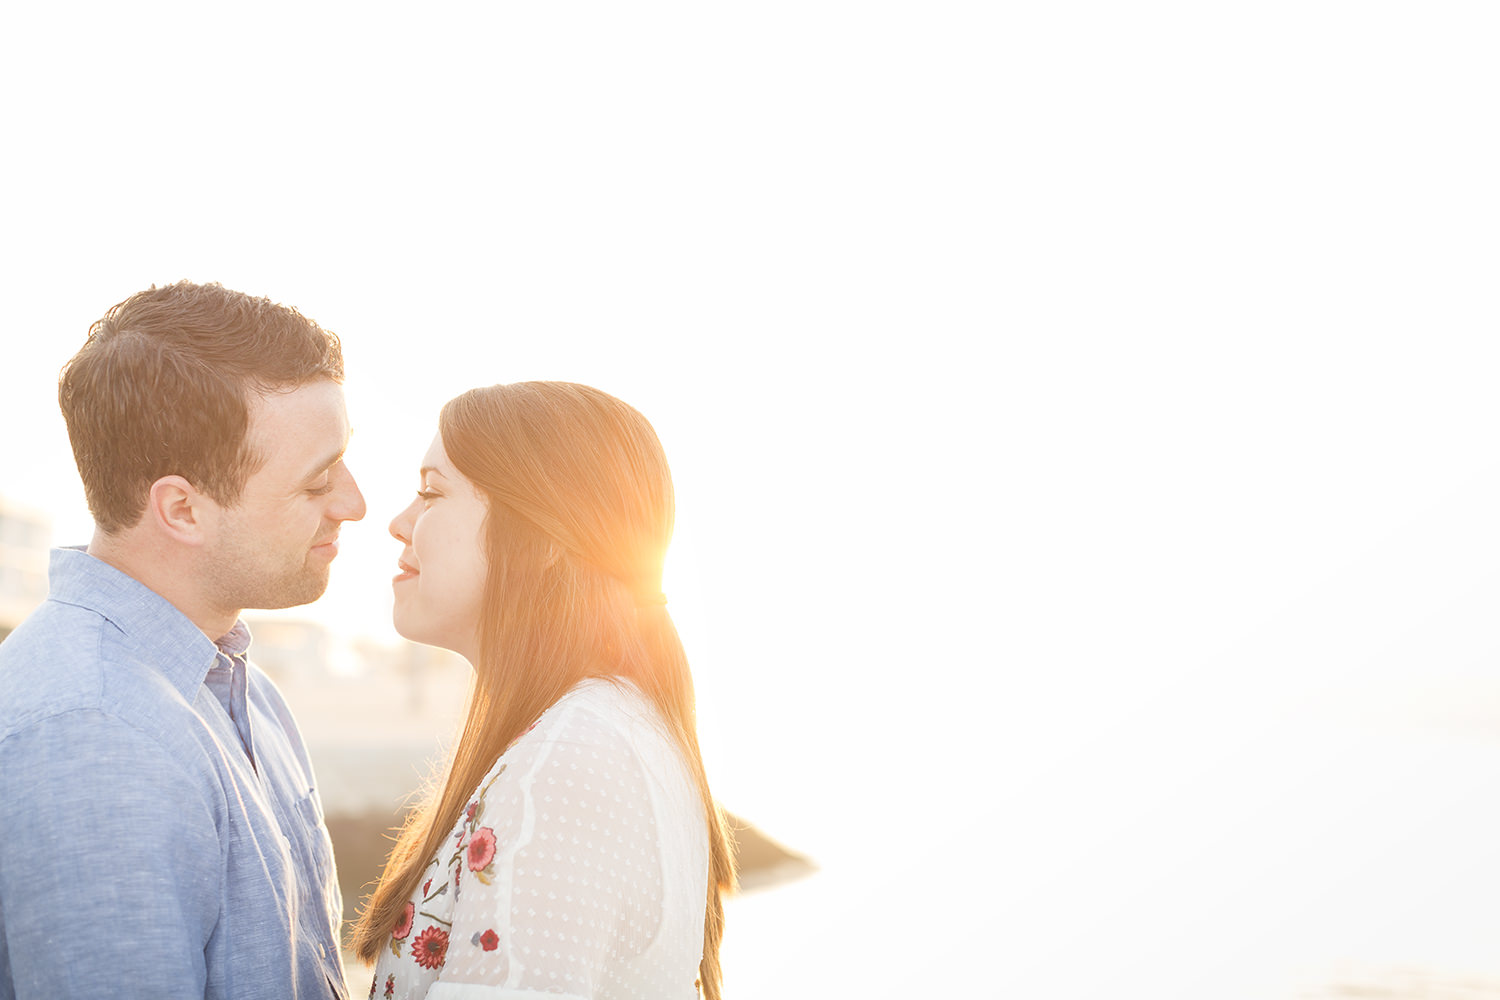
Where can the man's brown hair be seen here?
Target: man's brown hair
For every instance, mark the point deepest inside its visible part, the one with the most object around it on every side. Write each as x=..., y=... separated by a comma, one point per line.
x=162, y=387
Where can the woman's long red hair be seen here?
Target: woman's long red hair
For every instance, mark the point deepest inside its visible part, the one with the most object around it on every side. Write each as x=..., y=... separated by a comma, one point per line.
x=580, y=515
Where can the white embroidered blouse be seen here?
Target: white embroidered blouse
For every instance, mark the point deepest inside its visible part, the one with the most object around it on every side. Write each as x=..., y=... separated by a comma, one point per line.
x=578, y=870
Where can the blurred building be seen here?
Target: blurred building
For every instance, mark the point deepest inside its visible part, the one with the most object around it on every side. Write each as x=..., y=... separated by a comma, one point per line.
x=287, y=647
x=405, y=659
x=25, y=536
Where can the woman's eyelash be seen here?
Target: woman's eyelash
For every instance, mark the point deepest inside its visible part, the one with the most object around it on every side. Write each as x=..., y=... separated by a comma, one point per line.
x=321, y=491
x=426, y=494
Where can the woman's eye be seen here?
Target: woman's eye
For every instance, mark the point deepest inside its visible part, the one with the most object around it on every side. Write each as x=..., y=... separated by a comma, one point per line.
x=321, y=491
x=426, y=494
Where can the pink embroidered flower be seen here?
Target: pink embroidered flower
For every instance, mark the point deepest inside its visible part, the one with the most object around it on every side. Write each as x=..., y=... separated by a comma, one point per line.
x=404, y=927
x=469, y=812
x=481, y=849
x=430, y=948
x=489, y=940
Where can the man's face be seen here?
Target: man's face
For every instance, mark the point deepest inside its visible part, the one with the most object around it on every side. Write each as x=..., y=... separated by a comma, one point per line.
x=273, y=549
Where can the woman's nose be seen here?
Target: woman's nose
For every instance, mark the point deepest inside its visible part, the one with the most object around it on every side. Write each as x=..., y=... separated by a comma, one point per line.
x=399, y=527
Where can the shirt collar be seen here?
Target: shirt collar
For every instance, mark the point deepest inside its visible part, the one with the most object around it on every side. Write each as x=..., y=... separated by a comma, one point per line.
x=236, y=641
x=164, y=636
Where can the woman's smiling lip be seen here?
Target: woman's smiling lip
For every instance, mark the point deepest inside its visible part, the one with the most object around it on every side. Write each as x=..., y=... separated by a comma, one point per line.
x=406, y=573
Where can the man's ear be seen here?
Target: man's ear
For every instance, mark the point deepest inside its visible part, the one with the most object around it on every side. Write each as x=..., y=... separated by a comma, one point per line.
x=180, y=510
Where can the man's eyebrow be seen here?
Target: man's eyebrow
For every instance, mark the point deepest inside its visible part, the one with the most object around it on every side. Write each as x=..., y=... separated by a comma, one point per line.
x=327, y=464
x=332, y=460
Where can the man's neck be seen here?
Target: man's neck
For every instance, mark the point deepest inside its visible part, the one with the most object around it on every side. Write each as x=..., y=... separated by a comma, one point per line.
x=174, y=580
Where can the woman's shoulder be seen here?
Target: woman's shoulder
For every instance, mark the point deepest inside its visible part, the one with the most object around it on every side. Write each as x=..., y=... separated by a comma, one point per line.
x=607, y=696
x=605, y=715
x=600, y=705
x=594, y=746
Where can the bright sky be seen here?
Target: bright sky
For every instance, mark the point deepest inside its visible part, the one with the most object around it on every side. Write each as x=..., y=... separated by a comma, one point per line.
x=1082, y=416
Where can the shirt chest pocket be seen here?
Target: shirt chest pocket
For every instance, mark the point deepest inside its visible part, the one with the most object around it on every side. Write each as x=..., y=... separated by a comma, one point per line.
x=313, y=852
x=261, y=858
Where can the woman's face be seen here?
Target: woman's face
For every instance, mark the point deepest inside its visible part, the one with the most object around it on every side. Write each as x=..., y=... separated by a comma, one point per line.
x=441, y=583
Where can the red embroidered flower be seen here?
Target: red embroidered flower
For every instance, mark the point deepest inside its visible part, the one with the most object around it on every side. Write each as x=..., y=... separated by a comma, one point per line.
x=374, y=984
x=481, y=849
x=390, y=985
x=404, y=927
x=469, y=812
x=430, y=948
x=425, y=886
x=490, y=940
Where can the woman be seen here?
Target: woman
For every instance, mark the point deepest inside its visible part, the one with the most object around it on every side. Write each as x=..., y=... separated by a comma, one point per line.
x=574, y=847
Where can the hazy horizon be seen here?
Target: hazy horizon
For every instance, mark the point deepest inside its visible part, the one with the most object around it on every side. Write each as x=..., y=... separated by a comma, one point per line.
x=1081, y=416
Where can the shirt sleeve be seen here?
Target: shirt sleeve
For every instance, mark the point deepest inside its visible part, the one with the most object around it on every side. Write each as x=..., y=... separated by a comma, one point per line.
x=109, y=864
x=560, y=875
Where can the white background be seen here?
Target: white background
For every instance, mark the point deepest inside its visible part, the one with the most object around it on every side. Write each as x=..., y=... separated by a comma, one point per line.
x=1082, y=416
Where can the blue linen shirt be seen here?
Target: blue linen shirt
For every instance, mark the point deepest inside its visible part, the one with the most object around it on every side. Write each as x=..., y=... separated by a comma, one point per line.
x=161, y=834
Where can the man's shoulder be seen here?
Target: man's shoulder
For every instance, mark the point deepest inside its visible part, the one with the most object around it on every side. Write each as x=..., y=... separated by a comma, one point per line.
x=51, y=664
x=66, y=658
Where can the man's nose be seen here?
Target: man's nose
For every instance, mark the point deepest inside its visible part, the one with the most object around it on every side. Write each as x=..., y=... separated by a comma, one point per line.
x=351, y=505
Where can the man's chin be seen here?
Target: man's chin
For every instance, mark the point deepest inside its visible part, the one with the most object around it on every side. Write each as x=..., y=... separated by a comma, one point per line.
x=294, y=593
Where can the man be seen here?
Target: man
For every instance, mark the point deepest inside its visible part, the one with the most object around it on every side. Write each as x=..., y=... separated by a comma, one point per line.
x=160, y=831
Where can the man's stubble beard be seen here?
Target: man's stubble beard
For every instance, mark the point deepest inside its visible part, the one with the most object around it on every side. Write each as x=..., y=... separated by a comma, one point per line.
x=240, y=581
x=288, y=591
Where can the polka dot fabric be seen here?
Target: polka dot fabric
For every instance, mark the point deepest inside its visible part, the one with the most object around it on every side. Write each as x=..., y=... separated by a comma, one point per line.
x=579, y=869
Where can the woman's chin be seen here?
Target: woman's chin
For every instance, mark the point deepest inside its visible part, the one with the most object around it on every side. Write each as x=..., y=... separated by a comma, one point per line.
x=408, y=629
x=412, y=630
